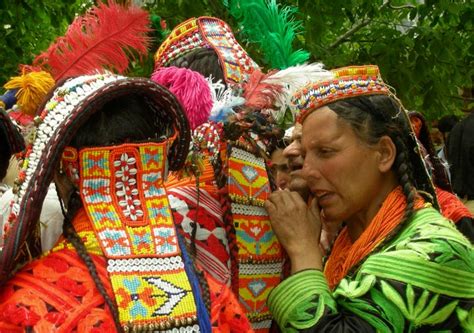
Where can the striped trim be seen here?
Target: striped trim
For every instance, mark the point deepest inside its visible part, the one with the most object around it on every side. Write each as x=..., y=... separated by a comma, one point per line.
x=421, y=273
x=293, y=291
x=260, y=268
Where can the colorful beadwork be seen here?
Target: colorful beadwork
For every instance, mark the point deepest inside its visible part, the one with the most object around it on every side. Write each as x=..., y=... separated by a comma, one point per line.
x=122, y=190
x=260, y=256
x=349, y=82
x=207, y=32
x=248, y=180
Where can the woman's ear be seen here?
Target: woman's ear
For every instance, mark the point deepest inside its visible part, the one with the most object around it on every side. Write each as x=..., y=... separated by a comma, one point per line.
x=387, y=153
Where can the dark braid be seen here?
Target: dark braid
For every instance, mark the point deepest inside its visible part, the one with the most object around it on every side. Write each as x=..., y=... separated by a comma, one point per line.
x=195, y=220
x=225, y=201
x=74, y=204
x=206, y=295
x=405, y=177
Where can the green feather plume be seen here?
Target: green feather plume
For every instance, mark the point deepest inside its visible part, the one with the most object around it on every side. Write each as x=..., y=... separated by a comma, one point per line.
x=273, y=27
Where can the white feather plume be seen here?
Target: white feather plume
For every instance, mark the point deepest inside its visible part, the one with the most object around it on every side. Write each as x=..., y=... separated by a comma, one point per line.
x=223, y=99
x=292, y=79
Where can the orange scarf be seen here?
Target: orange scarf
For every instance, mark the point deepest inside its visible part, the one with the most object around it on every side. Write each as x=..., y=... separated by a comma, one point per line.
x=346, y=254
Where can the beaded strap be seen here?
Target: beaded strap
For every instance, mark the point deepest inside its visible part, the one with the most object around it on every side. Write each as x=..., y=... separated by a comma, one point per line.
x=260, y=256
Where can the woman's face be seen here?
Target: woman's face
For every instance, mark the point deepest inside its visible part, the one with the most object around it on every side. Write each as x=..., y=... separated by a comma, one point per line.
x=342, y=172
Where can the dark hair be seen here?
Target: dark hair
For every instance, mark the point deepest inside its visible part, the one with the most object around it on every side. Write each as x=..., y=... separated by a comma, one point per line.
x=123, y=119
x=372, y=117
x=202, y=60
x=446, y=123
x=5, y=152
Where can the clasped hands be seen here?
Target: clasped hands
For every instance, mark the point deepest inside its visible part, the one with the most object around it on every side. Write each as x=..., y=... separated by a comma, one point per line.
x=297, y=226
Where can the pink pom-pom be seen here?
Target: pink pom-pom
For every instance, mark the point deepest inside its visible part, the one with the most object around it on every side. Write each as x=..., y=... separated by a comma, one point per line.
x=191, y=89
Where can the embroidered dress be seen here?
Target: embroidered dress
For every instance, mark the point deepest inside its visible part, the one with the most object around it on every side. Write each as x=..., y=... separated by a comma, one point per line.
x=125, y=224
x=419, y=279
x=57, y=294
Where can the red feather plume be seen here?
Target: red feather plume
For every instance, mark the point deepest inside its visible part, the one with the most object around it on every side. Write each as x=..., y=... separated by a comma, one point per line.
x=102, y=39
x=258, y=94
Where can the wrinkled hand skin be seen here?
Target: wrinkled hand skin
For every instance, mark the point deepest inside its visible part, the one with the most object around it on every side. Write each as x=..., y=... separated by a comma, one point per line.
x=298, y=228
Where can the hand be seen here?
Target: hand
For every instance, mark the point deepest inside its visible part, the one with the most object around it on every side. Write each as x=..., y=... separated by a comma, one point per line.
x=298, y=228
x=328, y=233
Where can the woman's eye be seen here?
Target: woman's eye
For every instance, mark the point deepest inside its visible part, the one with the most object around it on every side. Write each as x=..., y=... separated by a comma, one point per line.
x=325, y=151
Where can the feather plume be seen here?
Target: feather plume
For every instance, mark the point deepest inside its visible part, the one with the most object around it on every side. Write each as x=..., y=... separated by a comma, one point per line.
x=290, y=80
x=273, y=27
x=104, y=38
x=260, y=94
x=191, y=89
x=223, y=101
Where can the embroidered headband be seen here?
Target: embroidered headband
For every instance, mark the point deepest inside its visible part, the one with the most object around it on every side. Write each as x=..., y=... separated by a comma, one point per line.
x=353, y=81
x=211, y=33
x=348, y=82
x=68, y=108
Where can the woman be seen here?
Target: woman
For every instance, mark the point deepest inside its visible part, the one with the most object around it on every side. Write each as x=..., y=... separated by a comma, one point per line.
x=108, y=142
x=397, y=265
x=450, y=206
x=221, y=210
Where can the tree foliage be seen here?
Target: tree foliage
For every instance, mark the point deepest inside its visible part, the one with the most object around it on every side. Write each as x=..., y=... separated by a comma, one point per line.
x=424, y=48
x=27, y=27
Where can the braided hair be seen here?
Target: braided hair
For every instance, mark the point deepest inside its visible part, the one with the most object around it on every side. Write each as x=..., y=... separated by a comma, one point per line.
x=70, y=233
x=372, y=117
x=202, y=60
x=113, y=124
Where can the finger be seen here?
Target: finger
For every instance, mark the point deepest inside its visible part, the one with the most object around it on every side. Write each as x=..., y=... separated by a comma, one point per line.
x=297, y=200
x=279, y=197
x=269, y=206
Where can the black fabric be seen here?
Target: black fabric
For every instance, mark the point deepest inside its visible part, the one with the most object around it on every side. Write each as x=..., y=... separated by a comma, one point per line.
x=343, y=322
x=461, y=156
x=466, y=227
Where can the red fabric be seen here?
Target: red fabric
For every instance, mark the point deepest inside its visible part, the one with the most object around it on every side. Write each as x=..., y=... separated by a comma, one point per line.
x=55, y=294
x=212, y=251
x=226, y=313
x=451, y=207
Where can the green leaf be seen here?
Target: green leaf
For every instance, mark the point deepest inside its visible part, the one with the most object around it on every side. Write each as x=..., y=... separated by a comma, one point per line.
x=390, y=311
x=442, y=314
x=391, y=294
x=429, y=308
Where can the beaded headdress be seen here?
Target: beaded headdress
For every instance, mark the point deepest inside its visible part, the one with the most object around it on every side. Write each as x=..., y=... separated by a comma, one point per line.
x=348, y=82
x=69, y=106
x=210, y=33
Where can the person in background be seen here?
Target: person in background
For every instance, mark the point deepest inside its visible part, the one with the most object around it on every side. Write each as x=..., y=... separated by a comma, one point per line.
x=397, y=265
x=293, y=152
x=461, y=159
x=450, y=205
x=11, y=142
x=445, y=125
x=280, y=169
